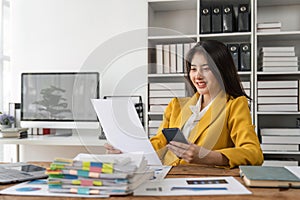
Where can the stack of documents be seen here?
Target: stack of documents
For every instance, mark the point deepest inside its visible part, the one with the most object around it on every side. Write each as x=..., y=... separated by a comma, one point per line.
x=109, y=175
x=13, y=133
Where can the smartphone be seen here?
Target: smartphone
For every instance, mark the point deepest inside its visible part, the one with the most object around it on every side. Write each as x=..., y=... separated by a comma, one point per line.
x=174, y=134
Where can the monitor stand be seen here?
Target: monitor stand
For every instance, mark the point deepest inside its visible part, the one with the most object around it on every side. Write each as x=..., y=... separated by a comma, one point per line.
x=102, y=136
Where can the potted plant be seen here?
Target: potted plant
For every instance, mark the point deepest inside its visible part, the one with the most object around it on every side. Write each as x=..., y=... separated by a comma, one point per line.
x=6, y=121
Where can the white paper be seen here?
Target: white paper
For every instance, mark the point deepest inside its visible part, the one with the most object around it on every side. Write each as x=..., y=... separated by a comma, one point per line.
x=123, y=128
x=160, y=172
x=197, y=186
x=294, y=169
x=134, y=158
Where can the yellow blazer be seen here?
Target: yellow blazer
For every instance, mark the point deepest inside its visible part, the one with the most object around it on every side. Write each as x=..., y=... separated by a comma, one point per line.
x=225, y=127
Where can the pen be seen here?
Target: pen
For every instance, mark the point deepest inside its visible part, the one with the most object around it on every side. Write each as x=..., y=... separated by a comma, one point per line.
x=198, y=188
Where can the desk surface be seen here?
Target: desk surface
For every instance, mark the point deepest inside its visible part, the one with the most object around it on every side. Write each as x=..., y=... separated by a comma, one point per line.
x=190, y=171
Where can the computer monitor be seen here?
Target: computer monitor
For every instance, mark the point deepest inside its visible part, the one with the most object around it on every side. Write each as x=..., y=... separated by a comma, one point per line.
x=59, y=101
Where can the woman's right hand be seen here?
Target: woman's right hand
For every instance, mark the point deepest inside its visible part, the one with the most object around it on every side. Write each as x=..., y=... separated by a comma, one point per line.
x=111, y=150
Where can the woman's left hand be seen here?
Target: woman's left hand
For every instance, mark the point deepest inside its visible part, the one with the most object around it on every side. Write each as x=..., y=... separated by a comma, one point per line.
x=191, y=153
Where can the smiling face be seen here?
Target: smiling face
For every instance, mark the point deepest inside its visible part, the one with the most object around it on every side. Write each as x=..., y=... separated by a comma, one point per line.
x=202, y=77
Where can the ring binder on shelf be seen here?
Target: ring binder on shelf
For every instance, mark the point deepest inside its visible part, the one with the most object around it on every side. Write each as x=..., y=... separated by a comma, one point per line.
x=245, y=57
x=228, y=19
x=243, y=18
x=234, y=50
x=216, y=20
x=205, y=20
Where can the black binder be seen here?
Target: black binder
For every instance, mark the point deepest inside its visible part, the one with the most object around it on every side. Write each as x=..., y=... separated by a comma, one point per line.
x=216, y=20
x=205, y=20
x=245, y=57
x=234, y=50
x=14, y=110
x=228, y=19
x=243, y=18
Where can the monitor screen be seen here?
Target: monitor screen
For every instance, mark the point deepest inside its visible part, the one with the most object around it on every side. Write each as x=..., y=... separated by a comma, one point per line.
x=59, y=100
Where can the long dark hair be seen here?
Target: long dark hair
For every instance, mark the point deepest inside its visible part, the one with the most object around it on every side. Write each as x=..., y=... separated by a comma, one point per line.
x=225, y=70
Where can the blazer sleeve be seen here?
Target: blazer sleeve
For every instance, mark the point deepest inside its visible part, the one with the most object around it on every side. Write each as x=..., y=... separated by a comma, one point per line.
x=170, y=116
x=247, y=149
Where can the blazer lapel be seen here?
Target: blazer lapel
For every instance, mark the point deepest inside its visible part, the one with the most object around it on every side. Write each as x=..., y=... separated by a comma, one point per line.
x=216, y=110
x=186, y=111
x=215, y=113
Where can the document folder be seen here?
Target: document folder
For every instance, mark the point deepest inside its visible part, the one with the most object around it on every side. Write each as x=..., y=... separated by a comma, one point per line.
x=216, y=25
x=245, y=57
x=243, y=18
x=205, y=20
x=228, y=19
x=234, y=50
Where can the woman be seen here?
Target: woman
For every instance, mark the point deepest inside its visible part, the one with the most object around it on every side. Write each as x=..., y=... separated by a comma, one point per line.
x=216, y=120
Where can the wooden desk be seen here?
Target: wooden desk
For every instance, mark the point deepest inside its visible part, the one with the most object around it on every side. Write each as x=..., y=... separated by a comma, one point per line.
x=189, y=171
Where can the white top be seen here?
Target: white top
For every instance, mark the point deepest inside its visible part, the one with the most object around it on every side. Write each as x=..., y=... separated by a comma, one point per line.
x=195, y=117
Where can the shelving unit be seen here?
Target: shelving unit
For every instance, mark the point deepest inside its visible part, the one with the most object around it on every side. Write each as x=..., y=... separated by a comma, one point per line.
x=286, y=12
x=178, y=21
x=169, y=22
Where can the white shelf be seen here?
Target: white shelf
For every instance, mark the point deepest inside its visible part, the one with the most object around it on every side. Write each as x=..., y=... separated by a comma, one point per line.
x=155, y=113
x=171, y=5
x=277, y=2
x=173, y=39
x=278, y=73
x=221, y=2
x=244, y=73
x=278, y=113
x=74, y=140
x=167, y=37
x=234, y=34
x=282, y=152
x=166, y=75
x=228, y=37
x=283, y=35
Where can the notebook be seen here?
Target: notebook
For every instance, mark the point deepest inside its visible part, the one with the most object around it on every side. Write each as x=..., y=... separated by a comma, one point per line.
x=270, y=176
x=18, y=172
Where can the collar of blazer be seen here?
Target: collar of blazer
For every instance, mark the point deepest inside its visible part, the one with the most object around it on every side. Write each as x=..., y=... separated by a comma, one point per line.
x=215, y=113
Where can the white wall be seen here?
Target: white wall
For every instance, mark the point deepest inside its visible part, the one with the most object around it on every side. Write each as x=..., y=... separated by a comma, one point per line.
x=61, y=35
x=108, y=36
